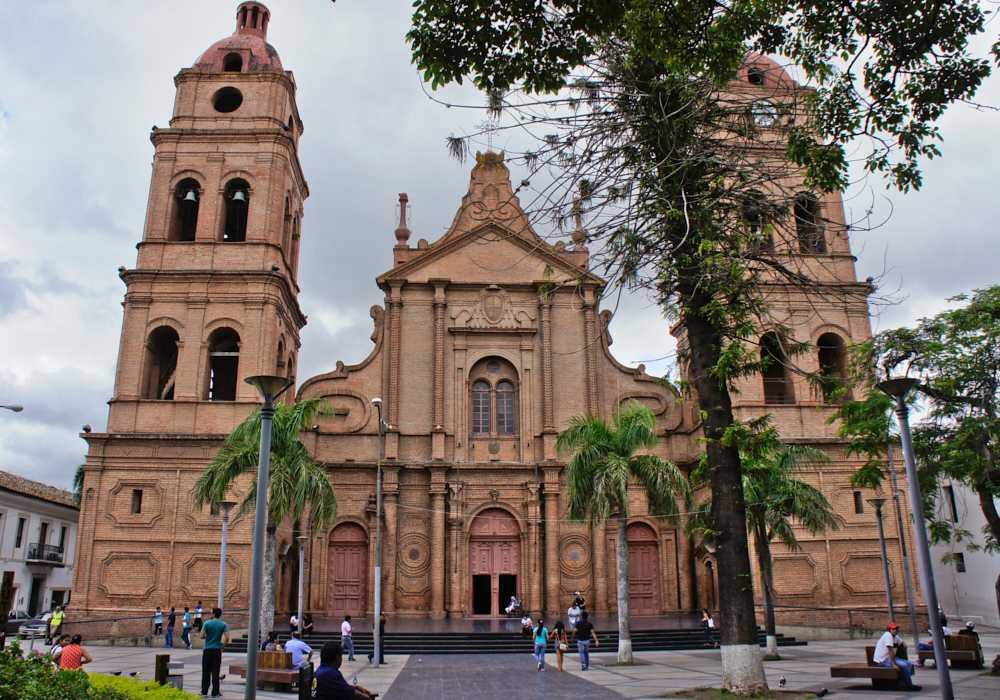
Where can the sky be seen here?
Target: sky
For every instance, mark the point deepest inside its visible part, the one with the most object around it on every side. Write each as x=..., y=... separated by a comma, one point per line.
x=83, y=81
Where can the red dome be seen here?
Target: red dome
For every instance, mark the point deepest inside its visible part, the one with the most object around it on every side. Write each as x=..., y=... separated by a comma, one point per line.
x=247, y=49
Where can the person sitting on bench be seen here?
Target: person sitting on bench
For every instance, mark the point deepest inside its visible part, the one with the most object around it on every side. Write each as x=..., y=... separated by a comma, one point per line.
x=330, y=682
x=885, y=656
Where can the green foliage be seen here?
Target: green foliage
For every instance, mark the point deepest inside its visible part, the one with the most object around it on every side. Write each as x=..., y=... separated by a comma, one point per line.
x=118, y=687
x=603, y=464
x=295, y=482
x=884, y=72
x=34, y=677
x=956, y=357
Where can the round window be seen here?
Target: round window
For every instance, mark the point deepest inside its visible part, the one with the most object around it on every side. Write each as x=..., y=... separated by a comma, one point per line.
x=493, y=367
x=228, y=99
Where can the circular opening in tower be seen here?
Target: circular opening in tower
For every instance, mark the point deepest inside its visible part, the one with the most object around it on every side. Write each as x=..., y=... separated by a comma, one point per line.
x=232, y=63
x=228, y=99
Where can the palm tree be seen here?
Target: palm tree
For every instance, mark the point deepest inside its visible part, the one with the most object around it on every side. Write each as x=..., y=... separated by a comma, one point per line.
x=295, y=483
x=775, y=500
x=603, y=464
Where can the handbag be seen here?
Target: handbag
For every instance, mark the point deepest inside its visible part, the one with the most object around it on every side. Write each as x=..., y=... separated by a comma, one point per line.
x=563, y=646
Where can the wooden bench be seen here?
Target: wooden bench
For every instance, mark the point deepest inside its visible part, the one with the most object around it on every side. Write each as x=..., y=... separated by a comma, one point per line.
x=962, y=650
x=274, y=668
x=883, y=678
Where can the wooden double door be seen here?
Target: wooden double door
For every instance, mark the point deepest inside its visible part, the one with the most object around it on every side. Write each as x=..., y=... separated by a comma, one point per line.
x=494, y=562
x=347, y=572
x=644, y=570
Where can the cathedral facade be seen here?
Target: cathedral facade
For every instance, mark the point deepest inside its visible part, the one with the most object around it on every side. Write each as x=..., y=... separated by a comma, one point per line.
x=488, y=341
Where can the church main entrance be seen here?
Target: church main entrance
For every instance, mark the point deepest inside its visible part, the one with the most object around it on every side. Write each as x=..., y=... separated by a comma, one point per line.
x=347, y=584
x=644, y=570
x=494, y=560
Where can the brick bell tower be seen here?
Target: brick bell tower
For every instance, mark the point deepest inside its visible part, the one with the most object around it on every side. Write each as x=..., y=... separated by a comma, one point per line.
x=212, y=299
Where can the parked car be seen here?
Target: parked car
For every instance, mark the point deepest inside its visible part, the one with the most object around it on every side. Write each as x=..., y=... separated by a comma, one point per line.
x=18, y=615
x=36, y=625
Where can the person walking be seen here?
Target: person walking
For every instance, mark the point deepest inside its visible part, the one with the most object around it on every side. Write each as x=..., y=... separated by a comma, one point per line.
x=158, y=621
x=574, y=613
x=168, y=638
x=186, y=628
x=885, y=656
x=346, y=637
x=73, y=656
x=197, y=616
x=583, y=632
x=215, y=632
x=541, y=637
x=708, y=624
x=561, y=642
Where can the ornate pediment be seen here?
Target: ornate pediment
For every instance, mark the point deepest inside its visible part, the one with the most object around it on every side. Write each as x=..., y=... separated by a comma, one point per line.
x=493, y=309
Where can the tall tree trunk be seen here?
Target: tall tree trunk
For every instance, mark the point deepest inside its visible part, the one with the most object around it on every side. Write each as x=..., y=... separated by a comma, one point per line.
x=742, y=667
x=624, y=595
x=270, y=564
x=766, y=564
x=989, y=507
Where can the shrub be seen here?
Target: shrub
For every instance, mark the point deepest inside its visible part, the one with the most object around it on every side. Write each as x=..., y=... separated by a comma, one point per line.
x=136, y=690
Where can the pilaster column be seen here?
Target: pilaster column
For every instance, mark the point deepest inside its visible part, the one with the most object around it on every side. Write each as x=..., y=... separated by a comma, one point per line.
x=599, y=545
x=395, y=302
x=552, y=573
x=548, y=413
x=437, y=537
x=534, y=568
x=437, y=431
x=390, y=495
x=454, y=573
x=689, y=581
x=590, y=338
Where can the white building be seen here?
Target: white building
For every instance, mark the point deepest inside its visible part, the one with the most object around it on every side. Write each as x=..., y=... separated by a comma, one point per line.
x=965, y=585
x=38, y=525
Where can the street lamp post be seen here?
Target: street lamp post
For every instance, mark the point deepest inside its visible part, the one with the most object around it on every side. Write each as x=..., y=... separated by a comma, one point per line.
x=270, y=387
x=376, y=628
x=301, y=539
x=898, y=389
x=911, y=600
x=224, y=507
x=877, y=503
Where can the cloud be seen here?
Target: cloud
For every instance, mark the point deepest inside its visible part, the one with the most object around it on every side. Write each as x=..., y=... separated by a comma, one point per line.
x=84, y=80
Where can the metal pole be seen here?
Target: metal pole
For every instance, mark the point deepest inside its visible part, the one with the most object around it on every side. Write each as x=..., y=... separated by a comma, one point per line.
x=302, y=567
x=907, y=576
x=885, y=558
x=257, y=567
x=923, y=549
x=222, y=556
x=376, y=628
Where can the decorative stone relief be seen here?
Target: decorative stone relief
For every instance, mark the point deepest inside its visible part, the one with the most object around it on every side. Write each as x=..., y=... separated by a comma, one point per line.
x=861, y=573
x=493, y=309
x=200, y=576
x=413, y=563
x=128, y=574
x=123, y=501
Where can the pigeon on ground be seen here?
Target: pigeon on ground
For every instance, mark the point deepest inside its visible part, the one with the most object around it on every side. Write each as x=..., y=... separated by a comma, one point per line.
x=822, y=692
x=782, y=682
x=116, y=673
x=134, y=674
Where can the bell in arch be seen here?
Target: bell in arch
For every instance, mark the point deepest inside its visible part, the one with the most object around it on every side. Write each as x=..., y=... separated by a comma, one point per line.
x=240, y=196
x=191, y=196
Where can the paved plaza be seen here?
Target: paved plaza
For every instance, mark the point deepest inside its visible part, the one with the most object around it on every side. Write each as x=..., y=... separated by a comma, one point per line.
x=514, y=676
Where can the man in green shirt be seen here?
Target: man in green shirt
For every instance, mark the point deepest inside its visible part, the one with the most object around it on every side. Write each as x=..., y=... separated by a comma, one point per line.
x=215, y=632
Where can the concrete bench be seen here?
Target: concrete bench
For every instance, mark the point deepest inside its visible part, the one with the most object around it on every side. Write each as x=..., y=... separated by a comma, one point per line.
x=962, y=650
x=883, y=678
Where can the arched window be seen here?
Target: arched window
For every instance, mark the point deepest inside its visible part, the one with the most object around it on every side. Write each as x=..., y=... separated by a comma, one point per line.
x=186, y=199
x=280, y=364
x=756, y=223
x=161, y=364
x=755, y=76
x=224, y=364
x=237, y=196
x=232, y=63
x=291, y=367
x=777, y=382
x=481, y=401
x=286, y=235
x=832, y=364
x=808, y=227
x=494, y=398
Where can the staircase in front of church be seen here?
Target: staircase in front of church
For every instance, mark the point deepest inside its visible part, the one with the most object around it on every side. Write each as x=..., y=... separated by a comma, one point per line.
x=509, y=643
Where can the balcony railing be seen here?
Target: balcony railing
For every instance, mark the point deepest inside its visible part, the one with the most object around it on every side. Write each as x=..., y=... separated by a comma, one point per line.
x=45, y=554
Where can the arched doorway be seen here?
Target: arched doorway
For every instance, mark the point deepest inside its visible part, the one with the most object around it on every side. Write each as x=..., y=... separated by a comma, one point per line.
x=644, y=569
x=494, y=561
x=347, y=571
